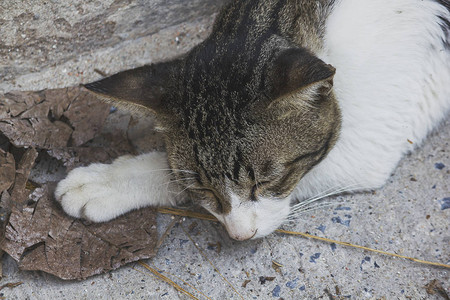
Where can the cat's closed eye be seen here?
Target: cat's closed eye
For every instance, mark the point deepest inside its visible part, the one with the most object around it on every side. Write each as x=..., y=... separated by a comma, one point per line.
x=209, y=198
x=203, y=192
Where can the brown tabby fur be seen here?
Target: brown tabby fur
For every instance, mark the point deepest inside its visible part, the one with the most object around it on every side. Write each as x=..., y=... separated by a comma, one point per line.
x=251, y=109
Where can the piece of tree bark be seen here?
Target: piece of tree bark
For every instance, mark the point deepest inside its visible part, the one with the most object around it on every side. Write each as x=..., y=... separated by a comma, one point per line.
x=52, y=118
x=19, y=193
x=43, y=237
x=68, y=124
x=7, y=170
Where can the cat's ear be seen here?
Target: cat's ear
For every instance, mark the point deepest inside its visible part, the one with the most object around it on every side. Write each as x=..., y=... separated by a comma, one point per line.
x=297, y=70
x=144, y=86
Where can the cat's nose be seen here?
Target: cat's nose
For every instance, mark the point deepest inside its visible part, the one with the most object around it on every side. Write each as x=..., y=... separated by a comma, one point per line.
x=242, y=236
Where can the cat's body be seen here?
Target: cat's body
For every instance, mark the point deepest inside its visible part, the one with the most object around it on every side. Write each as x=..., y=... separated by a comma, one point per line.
x=257, y=115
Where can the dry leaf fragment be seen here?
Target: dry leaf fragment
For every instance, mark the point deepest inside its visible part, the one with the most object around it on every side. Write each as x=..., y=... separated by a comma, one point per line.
x=7, y=170
x=434, y=287
x=15, y=103
x=244, y=284
x=86, y=114
x=276, y=266
x=25, y=121
x=61, y=99
x=19, y=192
x=72, y=157
x=5, y=211
x=38, y=234
x=49, y=119
x=10, y=285
x=215, y=246
x=43, y=237
x=263, y=279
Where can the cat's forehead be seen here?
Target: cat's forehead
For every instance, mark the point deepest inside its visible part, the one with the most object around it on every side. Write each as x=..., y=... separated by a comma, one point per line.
x=225, y=70
x=233, y=160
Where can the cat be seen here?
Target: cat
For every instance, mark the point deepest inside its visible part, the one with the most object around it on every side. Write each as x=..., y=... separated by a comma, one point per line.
x=284, y=100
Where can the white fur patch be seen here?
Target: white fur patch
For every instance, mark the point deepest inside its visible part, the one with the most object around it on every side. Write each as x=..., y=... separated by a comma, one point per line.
x=392, y=83
x=255, y=219
x=101, y=192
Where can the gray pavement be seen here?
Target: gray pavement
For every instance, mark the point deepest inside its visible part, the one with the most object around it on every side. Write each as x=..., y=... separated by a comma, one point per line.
x=405, y=217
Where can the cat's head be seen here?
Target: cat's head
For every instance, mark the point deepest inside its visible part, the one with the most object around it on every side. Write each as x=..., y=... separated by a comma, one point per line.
x=240, y=131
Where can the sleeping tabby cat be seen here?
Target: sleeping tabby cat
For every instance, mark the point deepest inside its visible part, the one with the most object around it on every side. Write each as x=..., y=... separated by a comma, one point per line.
x=286, y=99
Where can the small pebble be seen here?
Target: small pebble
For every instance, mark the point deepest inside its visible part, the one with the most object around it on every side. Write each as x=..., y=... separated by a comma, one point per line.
x=333, y=246
x=314, y=257
x=340, y=221
x=292, y=284
x=342, y=208
x=276, y=291
x=322, y=228
x=439, y=166
x=445, y=203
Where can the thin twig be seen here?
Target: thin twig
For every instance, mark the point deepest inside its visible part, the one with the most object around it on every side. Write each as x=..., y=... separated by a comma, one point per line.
x=362, y=247
x=179, y=278
x=10, y=285
x=100, y=72
x=185, y=213
x=210, y=262
x=166, y=233
x=167, y=279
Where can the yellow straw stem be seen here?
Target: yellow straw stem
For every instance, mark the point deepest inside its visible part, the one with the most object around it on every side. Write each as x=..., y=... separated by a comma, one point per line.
x=211, y=263
x=185, y=213
x=361, y=247
x=167, y=279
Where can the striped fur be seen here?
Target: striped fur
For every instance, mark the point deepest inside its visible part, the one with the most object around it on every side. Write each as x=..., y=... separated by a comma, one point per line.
x=253, y=109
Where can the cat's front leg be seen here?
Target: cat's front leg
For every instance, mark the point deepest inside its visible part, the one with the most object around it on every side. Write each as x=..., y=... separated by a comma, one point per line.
x=101, y=192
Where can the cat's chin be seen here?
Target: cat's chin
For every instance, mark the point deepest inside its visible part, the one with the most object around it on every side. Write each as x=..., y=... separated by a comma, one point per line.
x=251, y=220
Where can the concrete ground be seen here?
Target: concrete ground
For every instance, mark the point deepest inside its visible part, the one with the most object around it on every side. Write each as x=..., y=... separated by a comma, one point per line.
x=407, y=216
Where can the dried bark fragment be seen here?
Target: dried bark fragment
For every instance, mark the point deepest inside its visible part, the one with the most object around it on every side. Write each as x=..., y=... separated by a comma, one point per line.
x=5, y=211
x=10, y=285
x=25, y=121
x=25, y=228
x=43, y=237
x=60, y=99
x=52, y=118
x=36, y=132
x=19, y=192
x=7, y=170
x=435, y=287
x=106, y=146
x=38, y=234
x=72, y=157
x=15, y=103
x=86, y=115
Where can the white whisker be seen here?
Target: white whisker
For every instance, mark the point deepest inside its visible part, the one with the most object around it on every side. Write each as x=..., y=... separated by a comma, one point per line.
x=306, y=206
x=294, y=214
x=324, y=194
x=178, y=180
x=187, y=187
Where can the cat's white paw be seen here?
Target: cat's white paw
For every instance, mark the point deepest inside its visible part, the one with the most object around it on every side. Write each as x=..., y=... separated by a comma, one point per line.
x=101, y=192
x=86, y=192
